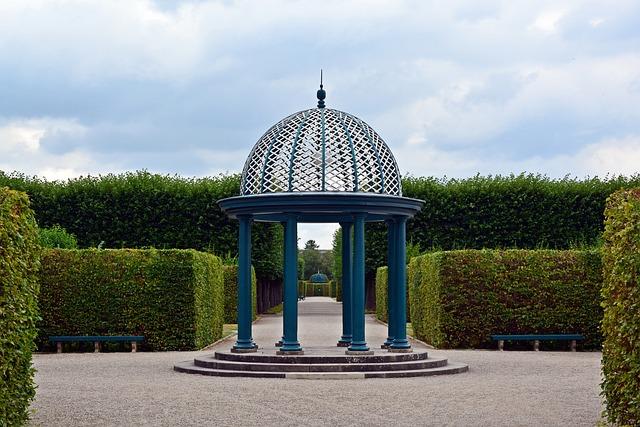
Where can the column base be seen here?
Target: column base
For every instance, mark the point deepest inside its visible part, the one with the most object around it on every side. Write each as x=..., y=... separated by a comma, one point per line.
x=387, y=343
x=359, y=347
x=400, y=350
x=244, y=350
x=344, y=341
x=289, y=352
x=384, y=346
x=359, y=353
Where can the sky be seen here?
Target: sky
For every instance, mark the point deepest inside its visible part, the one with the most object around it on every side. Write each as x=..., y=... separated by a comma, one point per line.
x=455, y=88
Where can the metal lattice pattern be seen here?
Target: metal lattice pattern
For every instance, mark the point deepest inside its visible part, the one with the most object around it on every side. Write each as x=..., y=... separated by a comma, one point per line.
x=321, y=150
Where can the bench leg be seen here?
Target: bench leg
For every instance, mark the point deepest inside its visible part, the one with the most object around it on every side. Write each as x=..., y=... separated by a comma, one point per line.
x=501, y=345
x=536, y=345
x=573, y=345
x=58, y=347
x=134, y=346
x=96, y=347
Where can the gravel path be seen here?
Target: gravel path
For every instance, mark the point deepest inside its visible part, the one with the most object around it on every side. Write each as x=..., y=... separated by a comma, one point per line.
x=544, y=388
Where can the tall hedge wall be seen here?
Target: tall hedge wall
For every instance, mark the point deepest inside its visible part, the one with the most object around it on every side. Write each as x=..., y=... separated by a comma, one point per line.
x=142, y=210
x=19, y=263
x=621, y=302
x=175, y=298
x=231, y=293
x=499, y=212
x=459, y=298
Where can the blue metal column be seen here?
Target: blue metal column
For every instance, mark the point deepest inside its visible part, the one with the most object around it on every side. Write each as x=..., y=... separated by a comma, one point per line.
x=400, y=342
x=358, y=343
x=284, y=256
x=345, y=340
x=290, y=344
x=244, y=342
x=391, y=282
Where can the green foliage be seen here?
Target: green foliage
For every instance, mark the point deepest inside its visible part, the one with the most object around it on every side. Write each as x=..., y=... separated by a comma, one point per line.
x=56, y=237
x=621, y=302
x=175, y=298
x=19, y=263
x=142, y=210
x=381, y=294
x=231, y=293
x=459, y=298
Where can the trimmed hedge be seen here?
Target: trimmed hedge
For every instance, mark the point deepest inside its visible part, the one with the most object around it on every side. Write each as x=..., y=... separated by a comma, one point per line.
x=231, y=293
x=499, y=212
x=175, y=298
x=381, y=293
x=621, y=302
x=142, y=210
x=19, y=263
x=459, y=298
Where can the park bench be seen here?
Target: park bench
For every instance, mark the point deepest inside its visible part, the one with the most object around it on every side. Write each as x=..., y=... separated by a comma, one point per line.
x=537, y=338
x=96, y=339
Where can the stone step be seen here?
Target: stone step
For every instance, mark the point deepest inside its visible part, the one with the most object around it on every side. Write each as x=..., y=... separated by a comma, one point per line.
x=450, y=368
x=320, y=367
x=320, y=356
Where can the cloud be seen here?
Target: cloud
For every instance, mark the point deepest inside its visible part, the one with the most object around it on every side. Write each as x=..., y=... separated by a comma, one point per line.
x=547, y=22
x=188, y=87
x=606, y=157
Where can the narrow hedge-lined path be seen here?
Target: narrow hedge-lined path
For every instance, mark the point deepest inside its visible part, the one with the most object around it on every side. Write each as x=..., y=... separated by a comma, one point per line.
x=544, y=388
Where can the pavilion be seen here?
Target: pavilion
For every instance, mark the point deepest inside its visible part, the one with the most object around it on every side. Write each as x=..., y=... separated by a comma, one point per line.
x=324, y=165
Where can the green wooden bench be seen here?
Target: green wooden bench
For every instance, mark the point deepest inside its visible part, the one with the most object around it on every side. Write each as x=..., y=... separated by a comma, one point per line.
x=96, y=339
x=536, y=338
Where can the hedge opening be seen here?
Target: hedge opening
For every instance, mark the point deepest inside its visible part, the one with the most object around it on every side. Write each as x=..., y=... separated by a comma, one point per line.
x=231, y=293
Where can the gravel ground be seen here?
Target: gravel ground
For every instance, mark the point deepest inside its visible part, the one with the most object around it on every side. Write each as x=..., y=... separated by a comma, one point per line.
x=501, y=388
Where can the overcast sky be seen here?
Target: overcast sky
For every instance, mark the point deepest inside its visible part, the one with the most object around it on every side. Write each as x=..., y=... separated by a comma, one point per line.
x=455, y=88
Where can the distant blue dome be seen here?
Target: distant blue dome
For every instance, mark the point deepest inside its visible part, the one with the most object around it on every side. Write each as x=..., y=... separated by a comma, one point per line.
x=319, y=278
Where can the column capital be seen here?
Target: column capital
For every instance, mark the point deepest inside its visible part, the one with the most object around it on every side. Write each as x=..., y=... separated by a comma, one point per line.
x=399, y=219
x=359, y=215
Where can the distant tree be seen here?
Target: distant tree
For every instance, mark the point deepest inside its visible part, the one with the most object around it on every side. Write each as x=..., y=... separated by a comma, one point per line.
x=312, y=258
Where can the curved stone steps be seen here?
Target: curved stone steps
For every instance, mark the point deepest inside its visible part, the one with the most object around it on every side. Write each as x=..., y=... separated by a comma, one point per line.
x=418, y=364
x=319, y=356
x=450, y=368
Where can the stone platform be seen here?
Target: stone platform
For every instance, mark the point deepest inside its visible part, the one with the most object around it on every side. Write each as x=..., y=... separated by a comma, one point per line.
x=319, y=363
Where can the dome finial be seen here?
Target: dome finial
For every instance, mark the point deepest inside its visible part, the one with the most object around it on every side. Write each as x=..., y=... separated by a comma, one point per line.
x=321, y=94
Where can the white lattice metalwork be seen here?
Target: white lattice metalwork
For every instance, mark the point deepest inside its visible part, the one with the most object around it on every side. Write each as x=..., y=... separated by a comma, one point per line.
x=321, y=149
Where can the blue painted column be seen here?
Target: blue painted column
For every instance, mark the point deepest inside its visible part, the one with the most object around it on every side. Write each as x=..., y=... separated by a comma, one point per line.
x=290, y=344
x=400, y=342
x=244, y=342
x=358, y=343
x=345, y=339
x=391, y=280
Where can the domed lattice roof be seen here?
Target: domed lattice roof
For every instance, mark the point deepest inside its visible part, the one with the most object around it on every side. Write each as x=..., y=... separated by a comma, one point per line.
x=317, y=150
